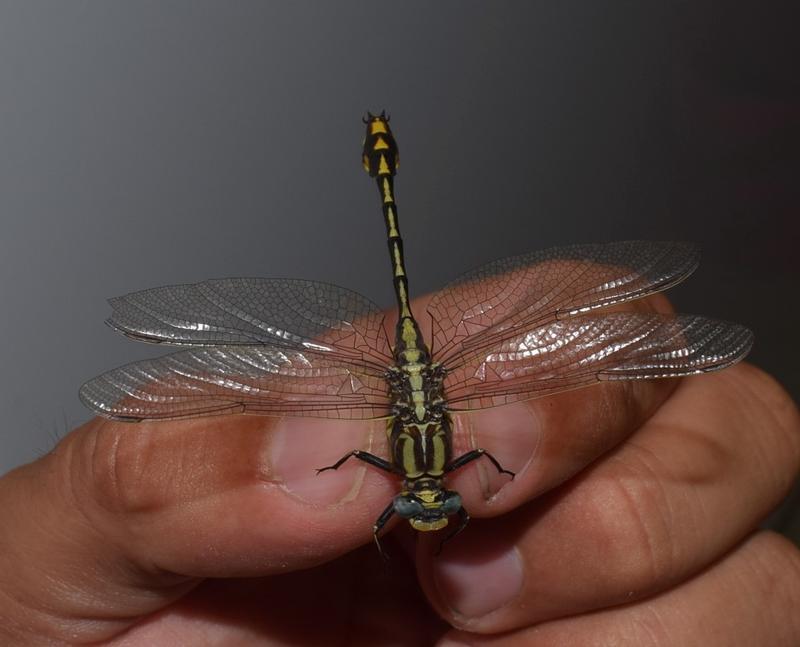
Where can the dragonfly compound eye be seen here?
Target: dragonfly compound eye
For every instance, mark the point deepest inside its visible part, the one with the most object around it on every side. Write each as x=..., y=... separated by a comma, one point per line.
x=451, y=503
x=407, y=506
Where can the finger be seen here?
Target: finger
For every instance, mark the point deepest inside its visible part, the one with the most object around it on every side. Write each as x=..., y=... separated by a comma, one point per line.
x=749, y=598
x=121, y=519
x=243, y=488
x=685, y=488
x=545, y=441
x=358, y=596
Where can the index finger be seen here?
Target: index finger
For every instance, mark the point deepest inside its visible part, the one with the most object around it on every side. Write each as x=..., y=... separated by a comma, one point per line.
x=120, y=520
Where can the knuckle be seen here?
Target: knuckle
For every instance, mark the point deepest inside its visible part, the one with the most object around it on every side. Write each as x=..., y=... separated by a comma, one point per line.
x=772, y=412
x=637, y=519
x=154, y=466
x=115, y=470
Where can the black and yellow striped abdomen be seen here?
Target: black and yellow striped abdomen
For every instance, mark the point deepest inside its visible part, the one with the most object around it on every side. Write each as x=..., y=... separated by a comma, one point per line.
x=381, y=158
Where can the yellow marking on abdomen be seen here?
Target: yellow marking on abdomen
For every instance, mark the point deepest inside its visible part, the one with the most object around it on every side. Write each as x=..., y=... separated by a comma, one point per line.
x=387, y=186
x=377, y=126
x=409, y=334
x=405, y=310
x=399, y=270
x=411, y=355
x=391, y=223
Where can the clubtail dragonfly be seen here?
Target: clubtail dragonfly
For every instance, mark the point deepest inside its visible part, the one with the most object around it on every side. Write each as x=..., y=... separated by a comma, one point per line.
x=515, y=329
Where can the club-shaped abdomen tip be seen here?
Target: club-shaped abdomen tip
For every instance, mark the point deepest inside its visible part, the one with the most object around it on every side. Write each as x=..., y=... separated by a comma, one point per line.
x=380, y=156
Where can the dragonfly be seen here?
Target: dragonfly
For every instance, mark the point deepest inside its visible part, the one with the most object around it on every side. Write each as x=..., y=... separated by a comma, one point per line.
x=514, y=329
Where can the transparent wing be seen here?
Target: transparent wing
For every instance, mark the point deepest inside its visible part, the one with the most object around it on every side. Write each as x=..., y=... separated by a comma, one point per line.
x=239, y=379
x=509, y=296
x=289, y=313
x=583, y=350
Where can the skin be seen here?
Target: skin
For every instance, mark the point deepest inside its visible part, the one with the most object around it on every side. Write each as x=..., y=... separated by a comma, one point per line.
x=633, y=520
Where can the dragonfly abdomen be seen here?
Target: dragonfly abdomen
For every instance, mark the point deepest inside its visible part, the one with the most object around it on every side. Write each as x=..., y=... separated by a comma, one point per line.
x=381, y=157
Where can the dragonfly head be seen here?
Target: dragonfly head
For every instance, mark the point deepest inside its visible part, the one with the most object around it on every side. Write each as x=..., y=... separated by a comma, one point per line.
x=380, y=154
x=427, y=507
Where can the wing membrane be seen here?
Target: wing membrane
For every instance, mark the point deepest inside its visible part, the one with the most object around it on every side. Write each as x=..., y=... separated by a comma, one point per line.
x=239, y=379
x=289, y=313
x=508, y=296
x=583, y=350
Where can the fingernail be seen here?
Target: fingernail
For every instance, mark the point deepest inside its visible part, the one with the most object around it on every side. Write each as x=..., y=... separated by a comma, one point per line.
x=301, y=446
x=473, y=589
x=511, y=434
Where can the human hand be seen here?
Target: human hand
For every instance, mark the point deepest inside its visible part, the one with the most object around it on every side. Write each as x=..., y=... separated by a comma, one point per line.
x=631, y=521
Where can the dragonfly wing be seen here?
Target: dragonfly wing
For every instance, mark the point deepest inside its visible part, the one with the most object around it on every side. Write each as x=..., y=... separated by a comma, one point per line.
x=576, y=352
x=289, y=313
x=511, y=295
x=265, y=380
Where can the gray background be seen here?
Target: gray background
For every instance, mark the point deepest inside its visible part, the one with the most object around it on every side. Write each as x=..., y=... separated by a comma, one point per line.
x=149, y=143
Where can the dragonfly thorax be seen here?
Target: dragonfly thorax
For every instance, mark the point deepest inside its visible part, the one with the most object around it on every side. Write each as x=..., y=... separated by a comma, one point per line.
x=416, y=390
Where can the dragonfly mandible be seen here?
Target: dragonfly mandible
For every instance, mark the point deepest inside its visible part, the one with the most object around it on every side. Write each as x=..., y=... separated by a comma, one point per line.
x=514, y=329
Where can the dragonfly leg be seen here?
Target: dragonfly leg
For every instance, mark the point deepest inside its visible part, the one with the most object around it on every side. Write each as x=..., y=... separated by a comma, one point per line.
x=474, y=455
x=463, y=517
x=375, y=461
x=380, y=522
